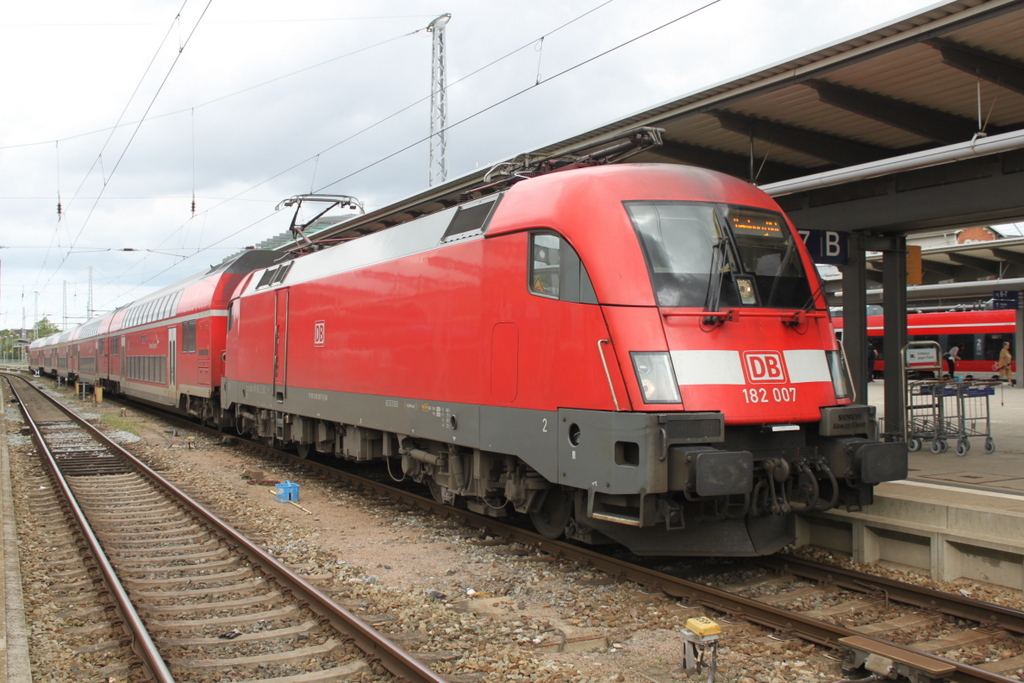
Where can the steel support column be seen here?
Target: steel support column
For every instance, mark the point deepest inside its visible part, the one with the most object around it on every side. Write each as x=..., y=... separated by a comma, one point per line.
x=1018, y=345
x=855, y=318
x=894, y=285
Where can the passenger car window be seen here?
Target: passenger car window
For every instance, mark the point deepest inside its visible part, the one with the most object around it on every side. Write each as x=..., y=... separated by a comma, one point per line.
x=556, y=270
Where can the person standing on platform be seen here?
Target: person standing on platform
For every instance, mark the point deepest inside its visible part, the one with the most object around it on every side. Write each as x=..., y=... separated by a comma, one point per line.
x=952, y=356
x=872, y=357
x=1005, y=363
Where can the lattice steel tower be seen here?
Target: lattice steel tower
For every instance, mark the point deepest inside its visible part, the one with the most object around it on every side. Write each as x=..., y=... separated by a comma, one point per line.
x=438, y=171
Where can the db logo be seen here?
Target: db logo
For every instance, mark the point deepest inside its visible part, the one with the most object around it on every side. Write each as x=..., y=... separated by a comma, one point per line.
x=319, y=332
x=764, y=366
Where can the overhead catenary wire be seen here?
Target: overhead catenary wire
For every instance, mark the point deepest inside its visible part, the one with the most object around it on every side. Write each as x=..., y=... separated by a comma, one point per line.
x=314, y=158
x=136, y=131
x=238, y=195
x=461, y=121
x=317, y=156
x=99, y=157
x=193, y=162
x=221, y=98
x=523, y=91
x=143, y=119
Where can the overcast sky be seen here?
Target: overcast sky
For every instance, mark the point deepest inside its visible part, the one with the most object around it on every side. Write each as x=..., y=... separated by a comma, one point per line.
x=245, y=103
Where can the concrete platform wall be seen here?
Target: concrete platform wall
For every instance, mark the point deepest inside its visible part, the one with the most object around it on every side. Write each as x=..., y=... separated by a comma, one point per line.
x=949, y=533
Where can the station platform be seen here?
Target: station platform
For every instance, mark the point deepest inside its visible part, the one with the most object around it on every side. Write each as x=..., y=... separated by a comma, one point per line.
x=14, y=655
x=954, y=516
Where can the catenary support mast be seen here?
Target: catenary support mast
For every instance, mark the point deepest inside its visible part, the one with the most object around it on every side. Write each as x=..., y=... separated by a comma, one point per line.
x=438, y=170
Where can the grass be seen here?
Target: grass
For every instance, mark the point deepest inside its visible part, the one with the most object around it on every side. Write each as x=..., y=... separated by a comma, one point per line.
x=121, y=424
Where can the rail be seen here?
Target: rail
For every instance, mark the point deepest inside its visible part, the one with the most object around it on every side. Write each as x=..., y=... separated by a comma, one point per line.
x=142, y=643
x=393, y=658
x=808, y=628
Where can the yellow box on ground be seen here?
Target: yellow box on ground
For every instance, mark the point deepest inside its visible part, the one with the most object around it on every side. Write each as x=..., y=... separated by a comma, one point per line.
x=702, y=626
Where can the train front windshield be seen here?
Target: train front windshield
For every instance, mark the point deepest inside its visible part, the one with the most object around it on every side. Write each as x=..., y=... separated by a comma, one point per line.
x=718, y=255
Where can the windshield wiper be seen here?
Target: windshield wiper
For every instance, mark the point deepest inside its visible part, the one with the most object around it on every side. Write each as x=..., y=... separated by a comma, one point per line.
x=715, y=277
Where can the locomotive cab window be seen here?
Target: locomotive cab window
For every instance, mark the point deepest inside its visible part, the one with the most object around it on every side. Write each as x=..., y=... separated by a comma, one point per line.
x=718, y=255
x=556, y=271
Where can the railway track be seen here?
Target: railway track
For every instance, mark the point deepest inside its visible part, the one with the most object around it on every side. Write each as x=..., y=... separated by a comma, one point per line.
x=195, y=599
x=872, y=621
x=869, y=620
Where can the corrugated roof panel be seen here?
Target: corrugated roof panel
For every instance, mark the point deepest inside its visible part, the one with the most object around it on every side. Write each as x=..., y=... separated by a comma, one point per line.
x=704, y=130
x=800, y=106
x=919, y=76
x=1004, y=35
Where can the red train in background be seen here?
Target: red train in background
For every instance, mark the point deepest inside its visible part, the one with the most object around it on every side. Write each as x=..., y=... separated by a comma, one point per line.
x=166, y=348
x=981, y=332
x=635, y=352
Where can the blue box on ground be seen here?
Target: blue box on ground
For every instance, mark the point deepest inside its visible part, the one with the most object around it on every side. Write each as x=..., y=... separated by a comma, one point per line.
x=287, y=492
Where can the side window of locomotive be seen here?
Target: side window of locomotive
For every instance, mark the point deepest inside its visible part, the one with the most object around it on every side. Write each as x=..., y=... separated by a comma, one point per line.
x=544, y=265
x=557, y=272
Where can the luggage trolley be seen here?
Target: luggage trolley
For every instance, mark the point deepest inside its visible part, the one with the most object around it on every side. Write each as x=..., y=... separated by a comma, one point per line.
x=974, y=418
x=930, y=404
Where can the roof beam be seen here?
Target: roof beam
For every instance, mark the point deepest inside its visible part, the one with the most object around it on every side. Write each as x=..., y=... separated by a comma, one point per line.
x=979, y=264
x=1005, y=72
x=1008, y=255
x=829, y=148
x=946, y=270
x=924, y=121
x=727, y=162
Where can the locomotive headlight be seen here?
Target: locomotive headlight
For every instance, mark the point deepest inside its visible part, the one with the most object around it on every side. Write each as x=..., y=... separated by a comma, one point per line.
x=656, y=376
x=840, y=371
x=745, y=285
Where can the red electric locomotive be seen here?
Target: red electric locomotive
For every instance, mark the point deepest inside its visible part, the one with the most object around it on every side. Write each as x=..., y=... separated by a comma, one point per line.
x=639, y=353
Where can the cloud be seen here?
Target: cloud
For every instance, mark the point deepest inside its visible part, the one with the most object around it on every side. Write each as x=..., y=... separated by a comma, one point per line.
x=78, y=65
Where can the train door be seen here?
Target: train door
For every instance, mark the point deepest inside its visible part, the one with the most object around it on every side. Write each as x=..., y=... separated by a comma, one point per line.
x=202, y=349
x=172, y=362
x=280, y=343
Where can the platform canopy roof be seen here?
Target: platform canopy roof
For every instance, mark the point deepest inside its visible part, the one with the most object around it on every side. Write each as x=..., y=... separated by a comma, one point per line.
x=946, y=76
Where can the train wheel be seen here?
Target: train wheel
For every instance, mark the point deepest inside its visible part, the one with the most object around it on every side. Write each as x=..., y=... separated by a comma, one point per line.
x=435, y=491
x=990, y=445
x=553, y=514
x=914, y=444
x=303, y=450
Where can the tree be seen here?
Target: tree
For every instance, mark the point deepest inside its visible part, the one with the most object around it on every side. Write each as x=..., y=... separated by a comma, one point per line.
x=7, y=341
x=44, y=328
